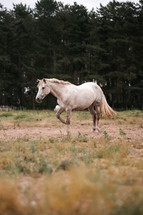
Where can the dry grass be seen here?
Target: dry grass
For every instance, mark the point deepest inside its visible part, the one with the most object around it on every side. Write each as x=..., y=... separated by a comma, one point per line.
x=70, y=174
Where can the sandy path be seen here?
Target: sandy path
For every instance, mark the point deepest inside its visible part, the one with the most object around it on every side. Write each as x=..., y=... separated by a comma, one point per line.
x=131, y=133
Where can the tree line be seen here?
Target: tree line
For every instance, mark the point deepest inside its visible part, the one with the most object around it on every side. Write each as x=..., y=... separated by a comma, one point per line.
x=69, y=42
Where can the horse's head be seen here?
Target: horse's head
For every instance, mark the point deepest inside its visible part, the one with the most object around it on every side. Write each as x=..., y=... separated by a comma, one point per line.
x=43, y=90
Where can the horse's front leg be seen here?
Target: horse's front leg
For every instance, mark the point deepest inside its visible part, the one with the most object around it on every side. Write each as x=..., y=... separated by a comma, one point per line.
x=68, y=120
x=58, y=115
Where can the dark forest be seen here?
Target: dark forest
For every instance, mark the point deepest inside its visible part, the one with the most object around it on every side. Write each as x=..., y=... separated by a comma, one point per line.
x=69, y=42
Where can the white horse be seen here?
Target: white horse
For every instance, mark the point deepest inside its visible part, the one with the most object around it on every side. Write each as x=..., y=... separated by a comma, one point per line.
x=71, y=97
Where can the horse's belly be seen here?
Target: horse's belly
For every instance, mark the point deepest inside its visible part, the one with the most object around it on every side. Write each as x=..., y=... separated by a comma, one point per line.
x=82, y=102
x=79, y=108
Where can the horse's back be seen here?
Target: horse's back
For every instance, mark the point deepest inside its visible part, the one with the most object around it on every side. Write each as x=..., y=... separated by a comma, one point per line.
x=91, y=85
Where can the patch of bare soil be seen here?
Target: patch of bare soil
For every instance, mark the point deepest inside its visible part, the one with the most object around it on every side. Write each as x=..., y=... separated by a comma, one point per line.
x=112, y=130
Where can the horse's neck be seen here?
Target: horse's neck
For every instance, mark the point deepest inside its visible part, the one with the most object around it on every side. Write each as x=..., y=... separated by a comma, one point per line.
x=57, y=90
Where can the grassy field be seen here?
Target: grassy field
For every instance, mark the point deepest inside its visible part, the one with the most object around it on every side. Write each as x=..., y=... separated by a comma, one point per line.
x=75, y=174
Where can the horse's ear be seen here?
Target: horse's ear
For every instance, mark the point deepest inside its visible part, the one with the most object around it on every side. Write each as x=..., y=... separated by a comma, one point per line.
x=44, y=80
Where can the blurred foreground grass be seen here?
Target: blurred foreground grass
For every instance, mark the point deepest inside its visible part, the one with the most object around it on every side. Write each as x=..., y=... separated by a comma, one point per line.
x=72, y=174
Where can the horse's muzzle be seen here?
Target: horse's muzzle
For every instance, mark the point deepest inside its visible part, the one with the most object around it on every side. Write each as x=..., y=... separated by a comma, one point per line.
x=38, y=100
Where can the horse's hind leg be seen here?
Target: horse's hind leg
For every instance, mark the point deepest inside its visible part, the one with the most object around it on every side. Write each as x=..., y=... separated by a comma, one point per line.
x=95, y=116
x=97, y=108
x=91, y=110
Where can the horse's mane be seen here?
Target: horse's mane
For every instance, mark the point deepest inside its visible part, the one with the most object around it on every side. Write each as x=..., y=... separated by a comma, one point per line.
x=54, y=80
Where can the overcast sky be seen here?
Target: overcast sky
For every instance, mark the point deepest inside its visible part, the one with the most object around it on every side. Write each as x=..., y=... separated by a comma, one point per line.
x=89, y=4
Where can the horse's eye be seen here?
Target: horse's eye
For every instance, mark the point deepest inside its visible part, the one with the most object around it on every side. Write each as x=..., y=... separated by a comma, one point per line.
x=43, y=88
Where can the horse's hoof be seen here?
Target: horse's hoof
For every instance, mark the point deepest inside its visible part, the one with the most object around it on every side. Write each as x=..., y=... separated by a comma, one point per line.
x=96, y=130
x=68, y=133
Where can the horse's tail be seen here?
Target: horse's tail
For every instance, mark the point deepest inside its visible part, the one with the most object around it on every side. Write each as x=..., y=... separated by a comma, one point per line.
x=105, y=109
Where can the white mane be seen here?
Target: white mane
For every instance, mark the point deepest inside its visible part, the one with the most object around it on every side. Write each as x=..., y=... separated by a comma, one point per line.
x=54, y=80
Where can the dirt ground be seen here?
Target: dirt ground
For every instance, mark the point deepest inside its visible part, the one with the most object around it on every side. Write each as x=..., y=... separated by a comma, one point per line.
x=128, y=132
x=123, y=128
